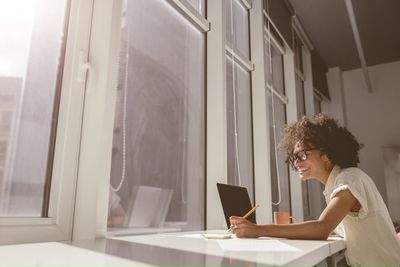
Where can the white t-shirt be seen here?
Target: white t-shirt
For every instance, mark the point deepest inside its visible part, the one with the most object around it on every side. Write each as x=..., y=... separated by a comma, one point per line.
x=369, y=234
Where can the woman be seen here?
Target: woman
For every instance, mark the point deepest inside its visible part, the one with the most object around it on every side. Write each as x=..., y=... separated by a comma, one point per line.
x=320, y=149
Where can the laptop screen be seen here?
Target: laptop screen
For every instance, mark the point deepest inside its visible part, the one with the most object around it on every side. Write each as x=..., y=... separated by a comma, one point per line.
x=235, y=201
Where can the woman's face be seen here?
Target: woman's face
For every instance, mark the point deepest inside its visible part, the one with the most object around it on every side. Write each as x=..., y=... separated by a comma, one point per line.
x=310, y=162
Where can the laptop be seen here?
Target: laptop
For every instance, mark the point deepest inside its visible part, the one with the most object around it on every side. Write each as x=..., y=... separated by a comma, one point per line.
x=235, y=201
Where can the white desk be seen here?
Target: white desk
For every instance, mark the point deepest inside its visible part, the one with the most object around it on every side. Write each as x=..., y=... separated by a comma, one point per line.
x=274, y=252
x=177, y=249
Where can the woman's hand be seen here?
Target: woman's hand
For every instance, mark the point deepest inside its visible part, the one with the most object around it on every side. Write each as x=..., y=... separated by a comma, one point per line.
x=244, y=228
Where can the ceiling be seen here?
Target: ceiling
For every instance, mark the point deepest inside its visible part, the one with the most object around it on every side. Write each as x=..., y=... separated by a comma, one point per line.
x=328, y=25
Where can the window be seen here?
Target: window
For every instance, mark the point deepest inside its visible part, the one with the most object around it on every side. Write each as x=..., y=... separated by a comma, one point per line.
x=29, y=95
x=276, y=101
x=240, y=152
x=238, y=96
x=158, y=157
x=237, y=27
x=280, y=182
x=300, y=87
x=318, y=109
x=317, y=103
x=40, y=118
x=300, y=77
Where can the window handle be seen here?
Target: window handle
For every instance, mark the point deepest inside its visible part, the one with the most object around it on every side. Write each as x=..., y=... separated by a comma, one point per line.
x=83, y=67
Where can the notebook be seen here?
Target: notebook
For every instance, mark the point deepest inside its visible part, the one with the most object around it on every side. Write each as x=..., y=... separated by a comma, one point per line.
x=235, y=201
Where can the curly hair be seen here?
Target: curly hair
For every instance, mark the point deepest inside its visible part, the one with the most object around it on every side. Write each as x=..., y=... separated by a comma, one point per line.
x=323, y=132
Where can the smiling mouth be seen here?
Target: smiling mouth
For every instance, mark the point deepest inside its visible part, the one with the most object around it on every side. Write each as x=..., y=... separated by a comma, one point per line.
x=302, y=170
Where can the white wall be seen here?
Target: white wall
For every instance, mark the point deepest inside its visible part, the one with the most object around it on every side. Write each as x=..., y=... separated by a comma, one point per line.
x=373, y=117
x=336, y=108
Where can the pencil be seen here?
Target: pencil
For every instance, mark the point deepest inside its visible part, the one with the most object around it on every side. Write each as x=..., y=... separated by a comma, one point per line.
x=251, y=211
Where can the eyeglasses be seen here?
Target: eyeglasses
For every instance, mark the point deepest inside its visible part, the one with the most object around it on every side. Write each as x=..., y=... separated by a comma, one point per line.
x=301, y=155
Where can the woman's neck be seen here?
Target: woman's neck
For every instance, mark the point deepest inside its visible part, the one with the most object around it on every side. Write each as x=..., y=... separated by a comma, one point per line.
x=325, y=174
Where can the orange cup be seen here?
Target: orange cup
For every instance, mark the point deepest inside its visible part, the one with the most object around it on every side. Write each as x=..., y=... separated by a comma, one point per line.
x=282, y=217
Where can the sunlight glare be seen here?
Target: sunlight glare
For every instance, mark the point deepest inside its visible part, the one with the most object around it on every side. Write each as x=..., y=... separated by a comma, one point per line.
x=16, y=24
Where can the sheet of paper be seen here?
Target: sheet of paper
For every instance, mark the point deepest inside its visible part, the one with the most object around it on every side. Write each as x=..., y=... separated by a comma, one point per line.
x=193, y=236
x=247, y=244
x=209, y=236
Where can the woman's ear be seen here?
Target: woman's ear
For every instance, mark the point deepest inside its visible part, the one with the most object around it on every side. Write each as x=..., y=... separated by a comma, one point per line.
x=328, y=163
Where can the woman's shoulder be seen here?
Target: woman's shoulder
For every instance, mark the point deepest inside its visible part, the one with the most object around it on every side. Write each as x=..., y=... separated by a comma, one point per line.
x=351, y=175
x=352, y=171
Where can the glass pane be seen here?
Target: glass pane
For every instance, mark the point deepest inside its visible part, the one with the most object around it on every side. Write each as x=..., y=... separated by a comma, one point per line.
x=274, y=71
x=298, y=51
x=267, y=62
x=158, y=158
x=301, y=105
x=237, y=27
x=279, y=168
x=31, y=61
x=240, y=146
x=277, y=71
x=199, y=5
x=317, y=105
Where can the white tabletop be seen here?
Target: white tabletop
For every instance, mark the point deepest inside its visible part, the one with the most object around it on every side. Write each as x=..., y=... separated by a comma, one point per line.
x=172, y=249
x=58, y=254
x=270, y=251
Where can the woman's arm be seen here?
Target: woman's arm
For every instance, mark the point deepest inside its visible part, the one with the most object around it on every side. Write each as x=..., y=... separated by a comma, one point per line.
x=319, y=229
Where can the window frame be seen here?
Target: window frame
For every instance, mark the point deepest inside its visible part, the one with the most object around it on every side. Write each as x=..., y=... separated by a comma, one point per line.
x=239, y=62
x=291, y=110
x=90, y=219
x=216, y=157
x=314, y=189
x=283, y=50
x=58, y=225
x=79, y=210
